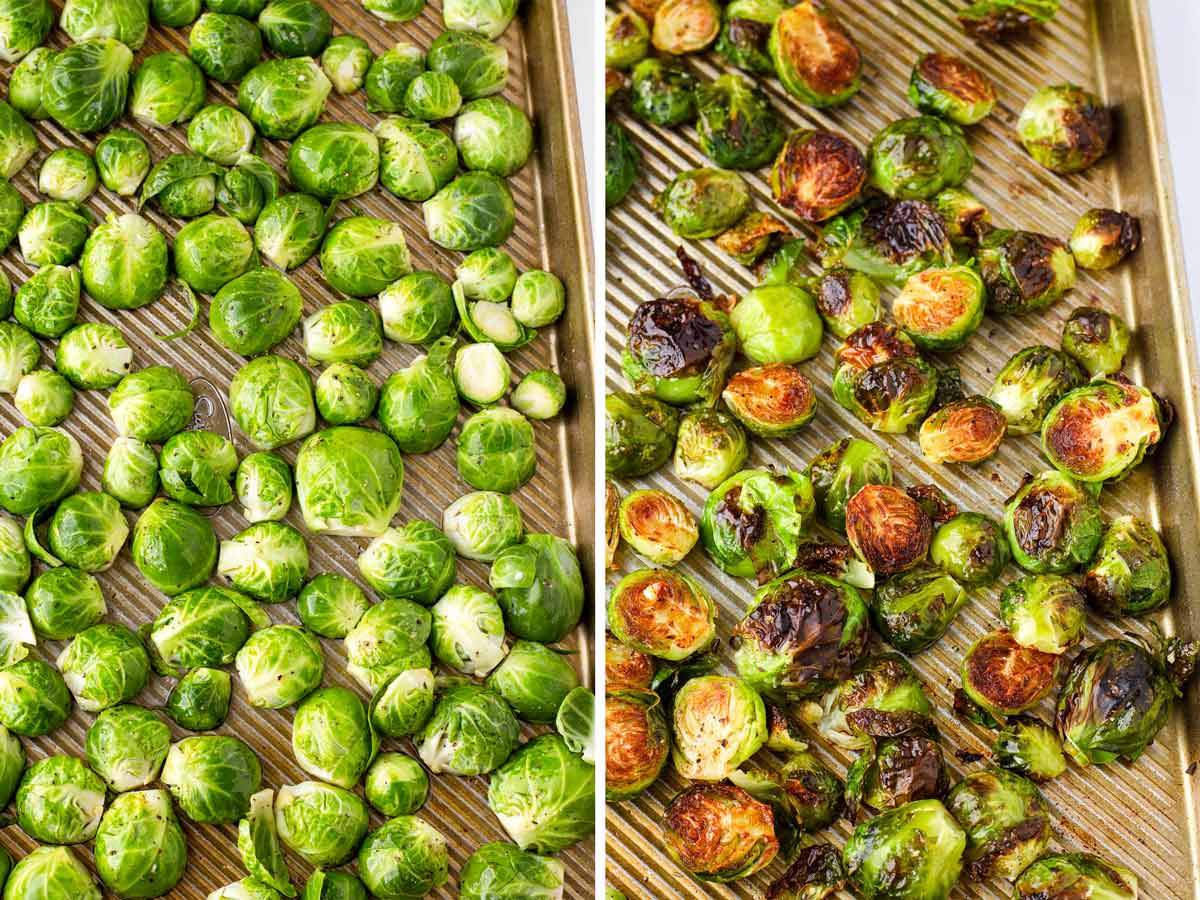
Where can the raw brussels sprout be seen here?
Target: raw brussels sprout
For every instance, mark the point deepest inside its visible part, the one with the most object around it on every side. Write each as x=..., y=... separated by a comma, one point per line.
x=1096, y=339
x=416, y=561
x=60, y=801
x=255, y=311
x=174, y=547
x=240, y=195
x=140, y=848
x=662, y=613
x=12, y=765
x=487, y=274
x=778, y=503
x=947, y=86
x=1024, y=271
x=776, y=323
x=539, y=395
x=88, y=530
x=15, y=565
x=289, y=230
x=405, y=857
x=474, y=210
x=396, y=785
x=639, y=434
x=914, y=159
x=657, y=526
x=295, y=27
x=1031, y=383
x=1029, y=747
x=345, y=394
x=881, y=377
x=268, y=561
x=680, y=350
x=212, y=777
x=771, y=401
x=417, y=160
x=184, y=185
x=500, y=871
x=539, y=586
x=282, y=97
x=417, y=309
x=626, y=39
x=702, y=203
x=345, y=62
x=575, y=722
x=125, y=20
x=480, y=525
x=637, y=741
x=472, y=732
x=544, y=795
x=971, y=548
x=840, y=471
x=883, y=697
x=389, y=76
x=220, y=133
x=34, y=699
x=24, y=25
x=85, y=85
x=19, y=354
x=151, y=404
x=1059, y=875
x=663, y=93
x=718, y=832
x=334, y=161
x=200, y=699
x=897, y=771
x=68, y=174
x=533, y=678
x=744, y=33
x=6, y=292
x=418, y=405
x=362, y=255
x=331, y=605
x=468, y=630
x=488, y=18
x=963, y=431
x=246, y=889
x=817, y=174
x=1004, y=678
x=1053, y=524
x=403, y=704
x=52, y=233
x=201, y=628
x=38, y=467
x=1044, y=612
x=1065, y=128
x=1006, y=820
x=104, y=665
x=887, y=240
x=492, y=135
x=388, y=639
x=738, y=127
x=322, y=885
x=348, y=481
x=815, y=58
x=124, y=263
x=174, y=13
x=48, y=301
x=345, y=332
x=17, y=143
x=478, y=66
x=196, y=467
x=225, y=46
x=63, y=602
x=212, y=251
x=1001, y=20
x=914, y=851
x=44, y=397
x=709, y=747
x=913, y=609
x=12, y=211
x=321, y=823
x=258, y=845
x=280, y=665
x=496, y=450
x=271, y=399
x=1104, y=237
x=481, y=374
x=940, y=308
x=168, y=88
x=432, y=96
x=51, y=871
x=17, y=636
x=685, y=26
x=1131, y=571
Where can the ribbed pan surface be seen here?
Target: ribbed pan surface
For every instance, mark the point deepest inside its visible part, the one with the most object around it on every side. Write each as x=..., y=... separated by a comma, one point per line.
x=1142, y=815
x=557, y=500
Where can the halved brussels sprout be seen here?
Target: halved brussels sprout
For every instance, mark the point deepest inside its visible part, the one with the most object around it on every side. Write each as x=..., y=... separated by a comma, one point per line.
x=68, y=174
x=913, y=609
x=888, y=240
x=331, y=605
x=966, y=219
x=17, y=634
x=212, y=777
x=963, y=431
x=85, y=85
x=124, y=262
x=657, y=526
x=887, y=528
x=417, y=160
x=289, y=229
x=474, y=210
x=838, y=473
x=1131, y=571
x=540, y=587
x=1104, y=237
x=535, y=680
x=663, y=93
x=345, y=62
x=1030, y=384
x=718, y=723
x=481, y=373
x=38, y=467
x=396, y=785
x=639, y=434
x=710, y=447
x=771, y=401
x=321, y=823
x=1065, y=128
x=12, y=211
x=637, y=741
x=345, y=394
x=718, y=832
x=487, y=274
x=1052, y=524
x=332, y=737
x=348, y=331
x=478, y=66
x=93, y=355
x=258, y=845
x=122, y=160
x=1006, y=820
x=63, y=602
x=738, y=127
x=183, y=184
x=915, y=850
x=539, y=395
x=432, y=96
x=418, y=405
x=702, y=203
x=174, y=547
x=1096, y=339
x=1024, y=271
x=140, y=848
x=415, y=561
x=752, y=522
x=126, y=745
x=196, y=467
x=211, y=251
x=883, y=697
x=1027, y=746
x=847, y=301
x=44, y=397
x=168, y=88
x=402, y=705
x=125, y=20
x=814, y=56
x=104, y=665
x=624, y=666
x=60, y=801
x=200, y=699
x=744, y=33
x=334, y=161
x=544, y=795
x=272, y=401
x=295, y=27
x=282, y=97
x=52, y=871
x=680, y=349
x=897, y=771
x=496, y=450
x=24, y=25
x=971, y=547
x=389, y=76
x=389, y=638
x=480, y=525
x=405, y=857
x=19, y=142
x=816, y=872
x=220, y=133
x=34, y=698
x=322, y=885
x=362, y=255
x=15, y=565
x=914, y=159
x=1004, y=678
x=500, y=871
x=255, y=311
x=88, y=530
x=1044, y=612
x=472, y=732
x=803, y=793
x=48, y=302
x=940, y=308
x=1059, y=875
x=626, y=39
x=752, y=236
x=468, y=630
x=948, y=86
x=881, y=377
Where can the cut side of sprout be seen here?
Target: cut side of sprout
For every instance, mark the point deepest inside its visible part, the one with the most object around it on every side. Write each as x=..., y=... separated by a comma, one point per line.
x=481, y=373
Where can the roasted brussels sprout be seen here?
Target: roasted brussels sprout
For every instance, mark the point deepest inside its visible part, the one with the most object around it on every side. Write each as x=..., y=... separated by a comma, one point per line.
x=52, y=233
x=639, y=434
x=738, y=127
x=389, y=76
x=663, y=92
x=963, y=431
x=1004, y=678
x=174, y=547
x=966, y=219
x=913, y=851
x=68, y=174
x=396, y=785
x=771, y=401
x=345, y=62
x=710, y=447
x=847, y=301
x=803, y=793
x=657, y=526
x=1059, y=875
x=295, y=27
x=60, y=801
x=1030, y=384
x=752, y=522
x=1065, y=128
x=883, y=697
x=840, y=471
x=1024, y=271
x=282, y=97
x=321, y=823
x=200, y=699
x=751, y=237
x=331, y=734
x=211, y=251
x=1044, y=612
x=718, y=832
x=702, y=203
x=679, y=350
x=271, y=400
x=480, y=525
x=940, y=308
x=637, y=741
x=34, y=699
x=621, y=161
x=625, y=667
x=913, y=609
x=947, y=86
x=474, y=210
x=478, y=66
x=815, y=873
x=718, y=723
x=745, y=30
x=1096, y=339
x=814, y=56
x=914, y=159
x=1131, y=571
x=971, y=547
x=1000, y=20
x=1104, y=237
x=777, y=323
x=289, y=229
x=1053, y=524
x=626, y=39
x=888, y=240
x=1029, y=747
x=662, y=613
x=44, y=397
x=896, y=771
x=1006, y=820
x=685, y=26
x=539, y=586
x=887, y=528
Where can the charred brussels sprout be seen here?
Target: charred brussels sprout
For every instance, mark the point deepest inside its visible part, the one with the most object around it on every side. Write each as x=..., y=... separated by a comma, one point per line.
x=657, y=526
x=1131, y=571
x=1104, y=237
x=1002, y=20
x=889, y=240
x=914, y=159
x=912, y=610
x=965, y=217
x=896, y=771
x=738, y=127
x=777, y=323
x=745, y=29
x=1030, y=384
x=940, y=308
x=626, y=39
x=1053, y=524
x=753, y=522
x=719, y=832
x=847, y=301
x=1024, y=271
x=624, y=666
x=1006, y=820
x=971, y=547
x=621, y=162
x=1096, y=339
x=1060, y=875
x=718, y=723
x=685, y=26
x=710, y=447
x=914, y=852
x=679, y=350
x=802, y=635
x=803, y=793
x=816, y=872
x=1004, y=678
x=200, y=699
x=637, y=741
x=842, y=469
x=1029, y=747
x=815, y=58
x=963, y=431
x=751, y=237
x=771, y=401
x=663, y=613
x=702, y=203
x=663, y=93
x=1065, y=128
x=883, y=697
x=1044, y=612
x=947, y=86
x=887, y=528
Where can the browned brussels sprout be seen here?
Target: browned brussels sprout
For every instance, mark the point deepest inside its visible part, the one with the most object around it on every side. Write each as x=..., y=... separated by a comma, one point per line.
x=1028, y=746
x=737, y=126
x=847, y=301
x=966, y=218
x=887, y=528
x=679, y=350
x=840, y=471
x=639, y=434
x=888, y=240
x=1063, y=876
x=896, y=771
x=882, y=698
x=912, y=610
x=881, y=377
x=1030, y=384
x=685, y=26
x=752, y=523
x=752, y=236
x=915, y=158
x=637, y=742
x=1130, y=575
x=718, y=832
x=815, y=58
x=1045, y=612
x=1052, y=524
x=744, y=33
x=612, y=531
x=1102, y=430
x=949, y=86
x=657, y=526
x=801, y=636
x=815, y=873
x=625, y=667
x=771, y=401
x=662, y=613
x=803, y=792
x=931, y=498
x=913, y=852
x=646, y=8
x=1004, y=678
x=963, y=431
x=1096, y=339
x=718, y=723
x=663, y=92
x=1104, y=237
x=1065, y=128
x=784, y=734
x=1024, y=271
x=1006, y=820
x=817, y=174
x=1001, y=20
x=711, y=447
x=626, y=39
x=622, y=160
x=702, y=203
x=614, y=82
x=971, y=547
x=940, y=308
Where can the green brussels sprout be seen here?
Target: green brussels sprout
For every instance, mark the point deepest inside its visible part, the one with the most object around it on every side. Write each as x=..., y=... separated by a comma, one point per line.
x=774, y=400
x=279, y=665
x=474, y=210
x=626, y=39
x=345, y=62
x=48, y=301
x=971, y=548
x=417, y=309
x=914, y=851
x=708, y=748
x=212, y=251
x=432, y=96
x=738, y=127
x=51, y=871
x=17, y=634
x=17, y=141
x=389, y=76
x=268, y=561
x=1030, y=383
x=255, y=311
x=887, y=240
x=204, y=627
x=416, y=561
x=321, y=823
x=331, y=605
x=240, y=195
x=947, y=86
x=679, y=622
x=345, y=394
x=416, y=159
x=63, y=602
x=19, y=354
x=1024, y=271
x=295, y=27
x=1062, y=874
x=538, y=298
x=200, y=699
x=289, y=230
x=680, y=350
x=1002, y=20
x=323, y=885
x=637, y=741
x=124, y=263
x=1044, y=612
x=846, y=301
x=840, y=471
x=1053, y=525
x=534, y=679
x=15, y=565
x=34, y=699
x=702, y=203
x=1065, y=128
x=151, y=404
x=220, y=133
x=348, y=481
x=1131, y=571
x=478, y=66
x=140, y=848
x=657, y=526
x=12, y=765
x=345, y=332
x=492, y=135
x=883, y=697
x=247, y=9
x=258, y=845
x=914, y=159
x=225, y=46
x=60, y=801
x=405, y=857
x=402, y=705
x=6, y=295
x=212, y=777
x=283, y=97
x=168, y=88
x=663, y=93
x=68, y=174
x=815, y=58
x=913, y=609
x=745, y=30
x=539, y=395
x=472, y=731
x=896, y=771
x=125, y=20
x=184, y=185
x=1102, y=430
x=1006, y=820
x=488, y=18
x=88, y=530
x=246, y=889
x=881, y=377
x=104, y=665
x=388, y=639
x=38, y=467
x=122, y=161
x=575, y=722
x=479, y=525
x=940, y=308
x=174, y=547
x=396, y=785
x=481, y=374
x=803, y=793
x=487, y=274
x=1003, y=678
x=544, y=795
x=334, y=160
x=500, y=871
x=24, y=25
x=639, y=434
x=271, y=399
x=12, y=211
x=778, y=503
x=1096, y=339
x=44, y=397
x=966, y=219
x=742, y=829
x=489, y=321
x=196, y=467
x=362, y=255
x=496, y=450
x=418, y=405
x=85, y=85
x=52, y=233
x=1029, y=747
x=1104, y=237
x=539, y=586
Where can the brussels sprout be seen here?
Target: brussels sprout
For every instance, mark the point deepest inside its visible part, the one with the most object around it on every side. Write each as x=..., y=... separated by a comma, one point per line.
x=745, y=31
x=815, y=58
x=1052, y=523
x=268, y=561
x=883, y=697
x=295, y=27
x=44, y=397
x=487, y=274
x=289, y=230
x=201, y=628
x=12, y=765
x=220, y=133
x=432, y=96
x=1131, y=571
x=417, y=309
x=53, y=233
x=1001, y=20
x=1003, y=677
x=321, y=823
x=388, y=639
x=912, y=610
x=17, y=142
x=396, y=785
x=881, y=377
x=1006, y=820
x=240, y=195
x=479, y=526
x=168, y=88
x=403, y=704
x=816, y=873
x=12, y=211
x=51, y=871
x=492, y=135
x=258, y=845
x=663, y=93
x=226, y=47
x=280, y=665
x=1031, y=383
x=896, y=771
x=1044, y=612
x=543, y=795
x=771, y=401
x=840, y=471
x=87, y=531
x=533, y=678
x=679, y=349
x=847, y=301
x=776, y=323
x=334, y=161
x=966, y=219
x=539, y=586
x=405, y=857
x=468, y=630
x=474, y=210
x=246, y=889
x=496, y=450
x=85, y=85
x=140, y=848
x=702, y=203
x=626, y=39
x=684, y=26
x=637, y=741
x=344, y=332
x=196, y=467
x=362, y=255
x=34, y=699
x=174, y=547
x=38, y=467
x=1065, y=128
x=472, y=731
x=1027, y=746
x=6, y=293
x=947, y=86
x=639, y=434
x=323, y=885
x=488, y=18
x=200, y=699
x=174, y=13
x=500, y=871
x=478, y=66
x=124, y=263
x=662, y=613
x=60, y=801
x=778, y=504
x=15, y=565
x=63, y=602
x=19, y=354
x=104, y=665
x=888, y=240
x=151, y=404
x=24, y=25
x=48, y=301
x=539, y=395
x=751, y=237
x=418, y=405
x=125, y=20
x=345, y=394
x=345, y=62
x=212, y=777
x=738, y=127
x=184, y=185
x=914, y=159
x=1057, y=876
x=915, y=850
x=348, y=481
x=272, y=401
x=1024, y=271
x=212, y=251
x=719, y=832
x=68, y=174
x=331, y=605
x=708, y=747
x=940, y=308
x=389, y=76
x=415, y=561
x=575, y=722
x=970, y=547
x=283, y=97
x=963, y=431
x=804, y=794
x=1096, y=339
x=657, y=526
x=1104, y=237
x=255, y=311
